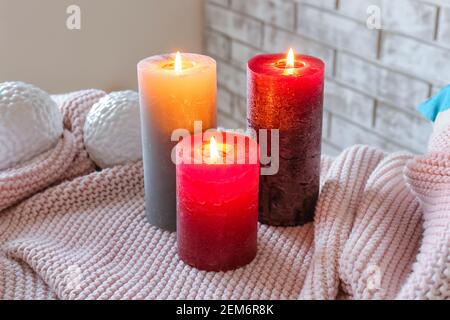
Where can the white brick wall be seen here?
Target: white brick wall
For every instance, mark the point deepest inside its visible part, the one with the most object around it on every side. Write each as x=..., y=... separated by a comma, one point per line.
x=381, y=82
x=337, y=31
x=349, y=104
x=444, y=26
x=281, y=14
x=375, y=78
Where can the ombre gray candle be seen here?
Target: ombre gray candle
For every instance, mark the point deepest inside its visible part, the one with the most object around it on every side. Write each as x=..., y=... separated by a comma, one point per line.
x=175, y=91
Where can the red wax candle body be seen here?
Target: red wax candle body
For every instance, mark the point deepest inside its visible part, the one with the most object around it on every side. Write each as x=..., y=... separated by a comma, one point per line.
x=217, y=204
x=291, y=100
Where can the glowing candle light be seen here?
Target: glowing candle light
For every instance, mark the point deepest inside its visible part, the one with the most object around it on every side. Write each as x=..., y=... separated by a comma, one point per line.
x=214, y=152
x=290, y=62
x=178, y=63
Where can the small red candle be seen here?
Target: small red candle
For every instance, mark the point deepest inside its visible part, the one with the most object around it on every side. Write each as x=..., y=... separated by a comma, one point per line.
x=286, y=93
x=217, y=200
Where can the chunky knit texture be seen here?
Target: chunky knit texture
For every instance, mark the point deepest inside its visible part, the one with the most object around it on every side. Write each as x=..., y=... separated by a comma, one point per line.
x=67, y=160
x=382, y=231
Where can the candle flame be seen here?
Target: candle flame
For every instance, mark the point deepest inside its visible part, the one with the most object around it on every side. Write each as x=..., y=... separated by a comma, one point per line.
x=178, y=63
x=213, y=151
x=290, y=60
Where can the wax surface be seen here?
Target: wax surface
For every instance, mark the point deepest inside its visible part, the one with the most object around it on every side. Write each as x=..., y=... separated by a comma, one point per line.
x=292, y=103
x=217, y=211
x=171, y=100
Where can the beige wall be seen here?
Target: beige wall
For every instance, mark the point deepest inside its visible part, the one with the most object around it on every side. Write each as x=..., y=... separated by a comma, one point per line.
x=37, y=47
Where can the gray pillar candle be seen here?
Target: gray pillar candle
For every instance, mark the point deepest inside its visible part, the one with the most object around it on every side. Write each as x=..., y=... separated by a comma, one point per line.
x=175, y=91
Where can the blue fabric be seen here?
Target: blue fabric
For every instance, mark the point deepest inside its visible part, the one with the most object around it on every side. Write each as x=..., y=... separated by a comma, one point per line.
x=432, y=107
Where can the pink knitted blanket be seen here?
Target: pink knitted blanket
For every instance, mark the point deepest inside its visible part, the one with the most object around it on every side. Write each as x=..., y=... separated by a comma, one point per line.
x=381, y=231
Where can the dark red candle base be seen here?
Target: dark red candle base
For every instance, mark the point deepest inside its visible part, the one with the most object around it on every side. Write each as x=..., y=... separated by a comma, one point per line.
x=293, y=104
x=289, y=198
x=220, y=234
x=219, y=260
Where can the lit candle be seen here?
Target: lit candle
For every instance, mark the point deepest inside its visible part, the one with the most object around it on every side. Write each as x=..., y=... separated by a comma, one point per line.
x=175, y=90
x=286, y=93
x=217, y=200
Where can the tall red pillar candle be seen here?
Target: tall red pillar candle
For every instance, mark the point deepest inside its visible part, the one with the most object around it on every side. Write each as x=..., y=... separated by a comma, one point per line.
x=217, y=200
x=286, y=93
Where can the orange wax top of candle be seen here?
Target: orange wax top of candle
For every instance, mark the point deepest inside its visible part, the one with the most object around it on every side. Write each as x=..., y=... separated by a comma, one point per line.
x=177, y=64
